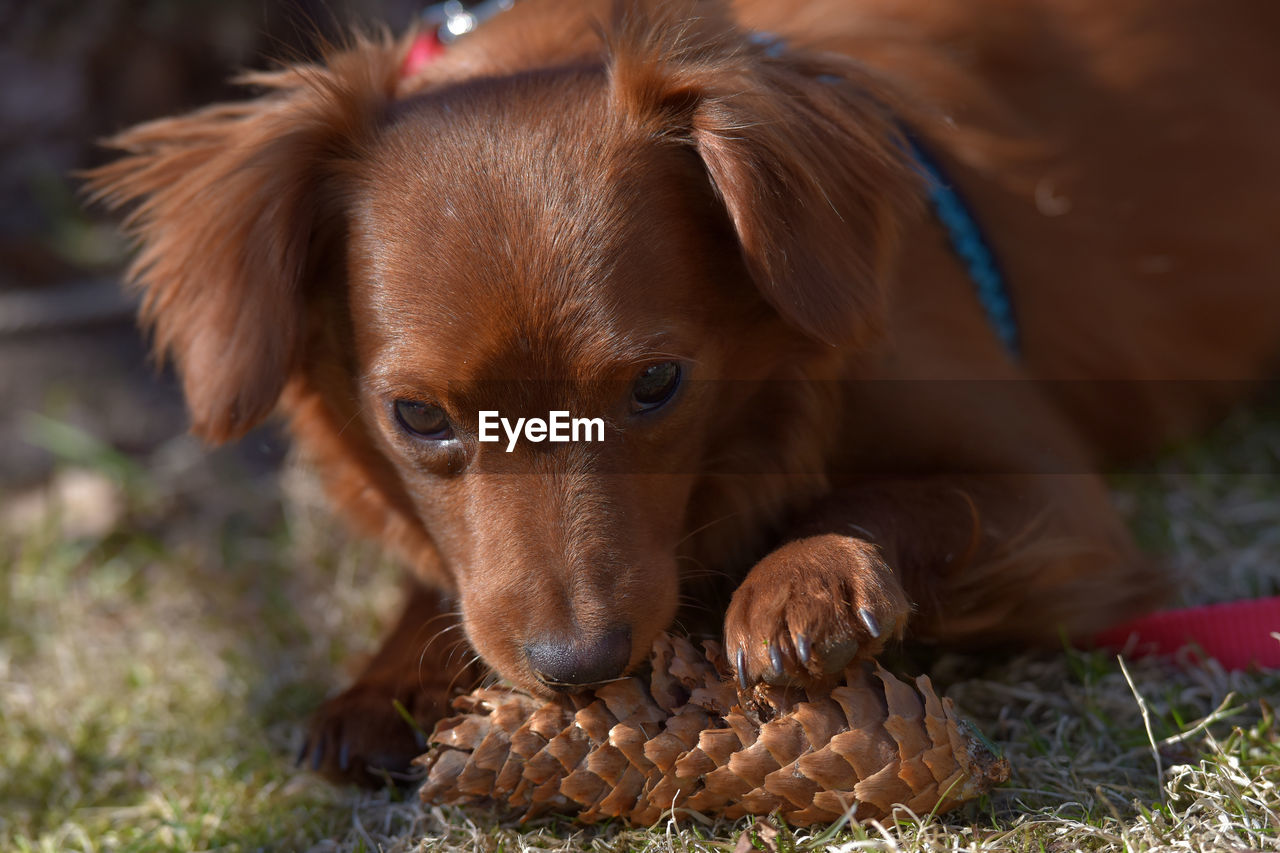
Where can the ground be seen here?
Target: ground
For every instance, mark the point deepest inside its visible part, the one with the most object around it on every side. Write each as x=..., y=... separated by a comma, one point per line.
x=169, y=616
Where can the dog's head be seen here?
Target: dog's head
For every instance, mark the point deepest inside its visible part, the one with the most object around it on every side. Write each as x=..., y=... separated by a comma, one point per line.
x=643, y=229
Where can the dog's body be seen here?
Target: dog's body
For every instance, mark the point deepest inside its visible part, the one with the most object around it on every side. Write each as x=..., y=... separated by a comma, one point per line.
x=574, y=197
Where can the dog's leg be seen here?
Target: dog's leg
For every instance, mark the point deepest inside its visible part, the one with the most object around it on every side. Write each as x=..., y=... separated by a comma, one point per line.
x=423, y=662
x=962, y=560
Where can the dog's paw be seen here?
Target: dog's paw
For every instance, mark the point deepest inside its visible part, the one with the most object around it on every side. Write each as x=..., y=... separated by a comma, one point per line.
x=360, y=736
x=808, y=609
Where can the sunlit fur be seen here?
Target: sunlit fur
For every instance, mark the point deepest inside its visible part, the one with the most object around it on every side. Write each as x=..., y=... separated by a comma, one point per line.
x=577, y=190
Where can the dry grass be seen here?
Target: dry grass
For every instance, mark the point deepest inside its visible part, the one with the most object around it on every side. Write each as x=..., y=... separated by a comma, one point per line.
x=163, y=635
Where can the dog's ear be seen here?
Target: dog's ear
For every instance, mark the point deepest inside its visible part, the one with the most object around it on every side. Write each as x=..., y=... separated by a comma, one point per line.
x=231, y=207
x=800, y=146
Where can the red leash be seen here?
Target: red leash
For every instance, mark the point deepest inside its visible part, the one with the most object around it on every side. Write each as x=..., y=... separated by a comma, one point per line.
x=424, y=50
x=1238, y=634
x=443, y=24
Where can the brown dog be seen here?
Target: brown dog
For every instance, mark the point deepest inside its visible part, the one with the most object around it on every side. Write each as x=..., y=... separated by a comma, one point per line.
x=710, y=235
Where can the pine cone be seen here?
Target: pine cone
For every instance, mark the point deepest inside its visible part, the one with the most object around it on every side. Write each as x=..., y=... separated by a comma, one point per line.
x=685, y=739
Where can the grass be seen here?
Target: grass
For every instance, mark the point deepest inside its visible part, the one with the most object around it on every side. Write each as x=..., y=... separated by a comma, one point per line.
x=166, y=625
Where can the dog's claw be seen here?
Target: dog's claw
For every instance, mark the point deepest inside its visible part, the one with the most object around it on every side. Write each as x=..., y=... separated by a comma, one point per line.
x=317, y=756
x=302, y=752
x=869, y=620
x=803, y=650
x=344, y=757
x=775, y=657
x=742, y=668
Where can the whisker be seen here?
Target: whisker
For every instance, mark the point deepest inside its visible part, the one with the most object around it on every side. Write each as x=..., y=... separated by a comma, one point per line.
x=714, y=521
x=465, y=668
x=442, y=632
x=695, y=603
x=422, y=661
x=673, y=356
x=433, y=620
x=702, y=571
x=489, y=679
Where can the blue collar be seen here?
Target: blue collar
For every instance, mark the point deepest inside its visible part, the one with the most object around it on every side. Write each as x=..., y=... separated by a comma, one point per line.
x=962, y=227
x=968, y=243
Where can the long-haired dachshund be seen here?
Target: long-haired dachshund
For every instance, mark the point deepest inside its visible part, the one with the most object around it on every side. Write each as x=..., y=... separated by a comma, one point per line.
x=851, y=299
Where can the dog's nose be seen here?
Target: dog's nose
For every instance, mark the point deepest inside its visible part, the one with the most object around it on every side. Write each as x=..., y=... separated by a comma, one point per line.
x=568, y=663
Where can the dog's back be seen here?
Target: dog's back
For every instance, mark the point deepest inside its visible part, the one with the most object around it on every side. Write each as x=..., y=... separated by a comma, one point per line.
x=1121, y=157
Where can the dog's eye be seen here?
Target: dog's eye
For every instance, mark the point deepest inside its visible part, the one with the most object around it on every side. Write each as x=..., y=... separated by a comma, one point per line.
x=655, y=385
x=424, y=420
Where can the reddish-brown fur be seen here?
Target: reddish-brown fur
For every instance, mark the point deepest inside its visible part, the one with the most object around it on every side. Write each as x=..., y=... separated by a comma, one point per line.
x=576, y=191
